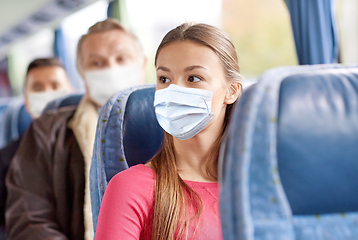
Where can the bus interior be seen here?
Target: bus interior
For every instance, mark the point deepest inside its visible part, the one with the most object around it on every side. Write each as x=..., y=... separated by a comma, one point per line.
x=275, y=40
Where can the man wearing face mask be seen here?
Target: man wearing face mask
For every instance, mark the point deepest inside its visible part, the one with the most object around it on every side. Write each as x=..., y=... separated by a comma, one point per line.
x=46, y=80
x=48, y=181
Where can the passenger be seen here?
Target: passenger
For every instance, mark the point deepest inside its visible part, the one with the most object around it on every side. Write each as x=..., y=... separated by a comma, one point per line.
x=46, y=79
x=175, y=195
x=48, y=183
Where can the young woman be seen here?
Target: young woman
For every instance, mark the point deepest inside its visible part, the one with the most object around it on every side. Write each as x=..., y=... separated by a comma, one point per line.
x=175, y=195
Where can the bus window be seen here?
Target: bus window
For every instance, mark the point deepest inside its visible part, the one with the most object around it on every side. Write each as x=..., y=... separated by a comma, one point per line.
x=151, y=20
x=260, y=29
x=73, y=27
x=21, y=53
x=347, y=15
x=261, y=32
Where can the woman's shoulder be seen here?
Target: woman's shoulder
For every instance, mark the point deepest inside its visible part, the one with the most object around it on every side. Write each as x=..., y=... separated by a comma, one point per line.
x=127, y=204
x=140, y=172
x=136, y=179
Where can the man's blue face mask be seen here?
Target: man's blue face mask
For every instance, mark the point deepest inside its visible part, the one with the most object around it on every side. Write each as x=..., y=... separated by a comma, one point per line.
x=183, y=112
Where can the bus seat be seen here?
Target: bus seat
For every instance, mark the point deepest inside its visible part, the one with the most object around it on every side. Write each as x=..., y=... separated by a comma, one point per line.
x=15, y=121
x=4, y=102
x=289, y=161
x=127, y=134
x=65, y=101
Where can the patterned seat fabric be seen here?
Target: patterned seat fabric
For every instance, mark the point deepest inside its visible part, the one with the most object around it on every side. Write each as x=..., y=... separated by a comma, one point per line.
x=127, y=134
x=289, y=160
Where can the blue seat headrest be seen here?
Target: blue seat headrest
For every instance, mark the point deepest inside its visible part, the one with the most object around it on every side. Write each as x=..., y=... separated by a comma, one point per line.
x=142, y=135
x=317, y=145
x=290, y=157
x=14, y=120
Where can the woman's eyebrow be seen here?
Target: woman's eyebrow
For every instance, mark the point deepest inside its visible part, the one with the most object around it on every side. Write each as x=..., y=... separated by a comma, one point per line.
x=163, y=68
x=187, y=69
x=191, y=68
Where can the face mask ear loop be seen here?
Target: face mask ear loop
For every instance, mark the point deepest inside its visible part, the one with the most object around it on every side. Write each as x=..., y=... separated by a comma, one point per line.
x=219, y=89
x=219, y=109
x=222, y=104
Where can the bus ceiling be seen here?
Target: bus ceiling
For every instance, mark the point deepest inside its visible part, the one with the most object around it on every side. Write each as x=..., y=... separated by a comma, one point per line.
x=19, y=19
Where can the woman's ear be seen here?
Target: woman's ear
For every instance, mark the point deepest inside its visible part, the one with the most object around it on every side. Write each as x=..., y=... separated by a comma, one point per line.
x=234, y=91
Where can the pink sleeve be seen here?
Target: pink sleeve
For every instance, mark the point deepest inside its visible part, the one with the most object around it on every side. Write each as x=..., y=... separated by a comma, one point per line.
x=125, y=207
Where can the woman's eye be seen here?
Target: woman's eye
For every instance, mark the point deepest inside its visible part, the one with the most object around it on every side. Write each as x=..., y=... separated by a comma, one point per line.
x=164, y=80
x=194, y=79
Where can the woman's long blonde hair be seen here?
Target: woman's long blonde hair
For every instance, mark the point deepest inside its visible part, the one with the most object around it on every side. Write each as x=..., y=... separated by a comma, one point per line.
x=173, y=196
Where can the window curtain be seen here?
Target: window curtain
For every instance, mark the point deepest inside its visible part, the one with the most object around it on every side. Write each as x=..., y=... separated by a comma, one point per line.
x=315, y=31
x=111, y=8
x=117, y=9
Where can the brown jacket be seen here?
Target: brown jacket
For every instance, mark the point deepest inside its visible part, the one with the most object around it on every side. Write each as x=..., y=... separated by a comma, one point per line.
x=46, y=182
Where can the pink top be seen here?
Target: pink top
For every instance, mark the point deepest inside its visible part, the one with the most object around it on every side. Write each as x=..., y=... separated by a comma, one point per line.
x=128, y=203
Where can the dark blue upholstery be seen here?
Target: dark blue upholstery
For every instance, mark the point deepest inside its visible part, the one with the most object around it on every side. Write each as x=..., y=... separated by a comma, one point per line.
x=14, y=120
x=24, y=120
x=317, y=143
x=142, y=135
x=66, y=101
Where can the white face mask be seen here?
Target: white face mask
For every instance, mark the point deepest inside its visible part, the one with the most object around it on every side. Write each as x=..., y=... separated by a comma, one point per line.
x=38, y=101
x=183, y=112
x=102, y=84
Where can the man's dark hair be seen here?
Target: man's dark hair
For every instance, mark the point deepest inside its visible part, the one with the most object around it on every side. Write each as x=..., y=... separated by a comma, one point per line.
x=44, y=62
